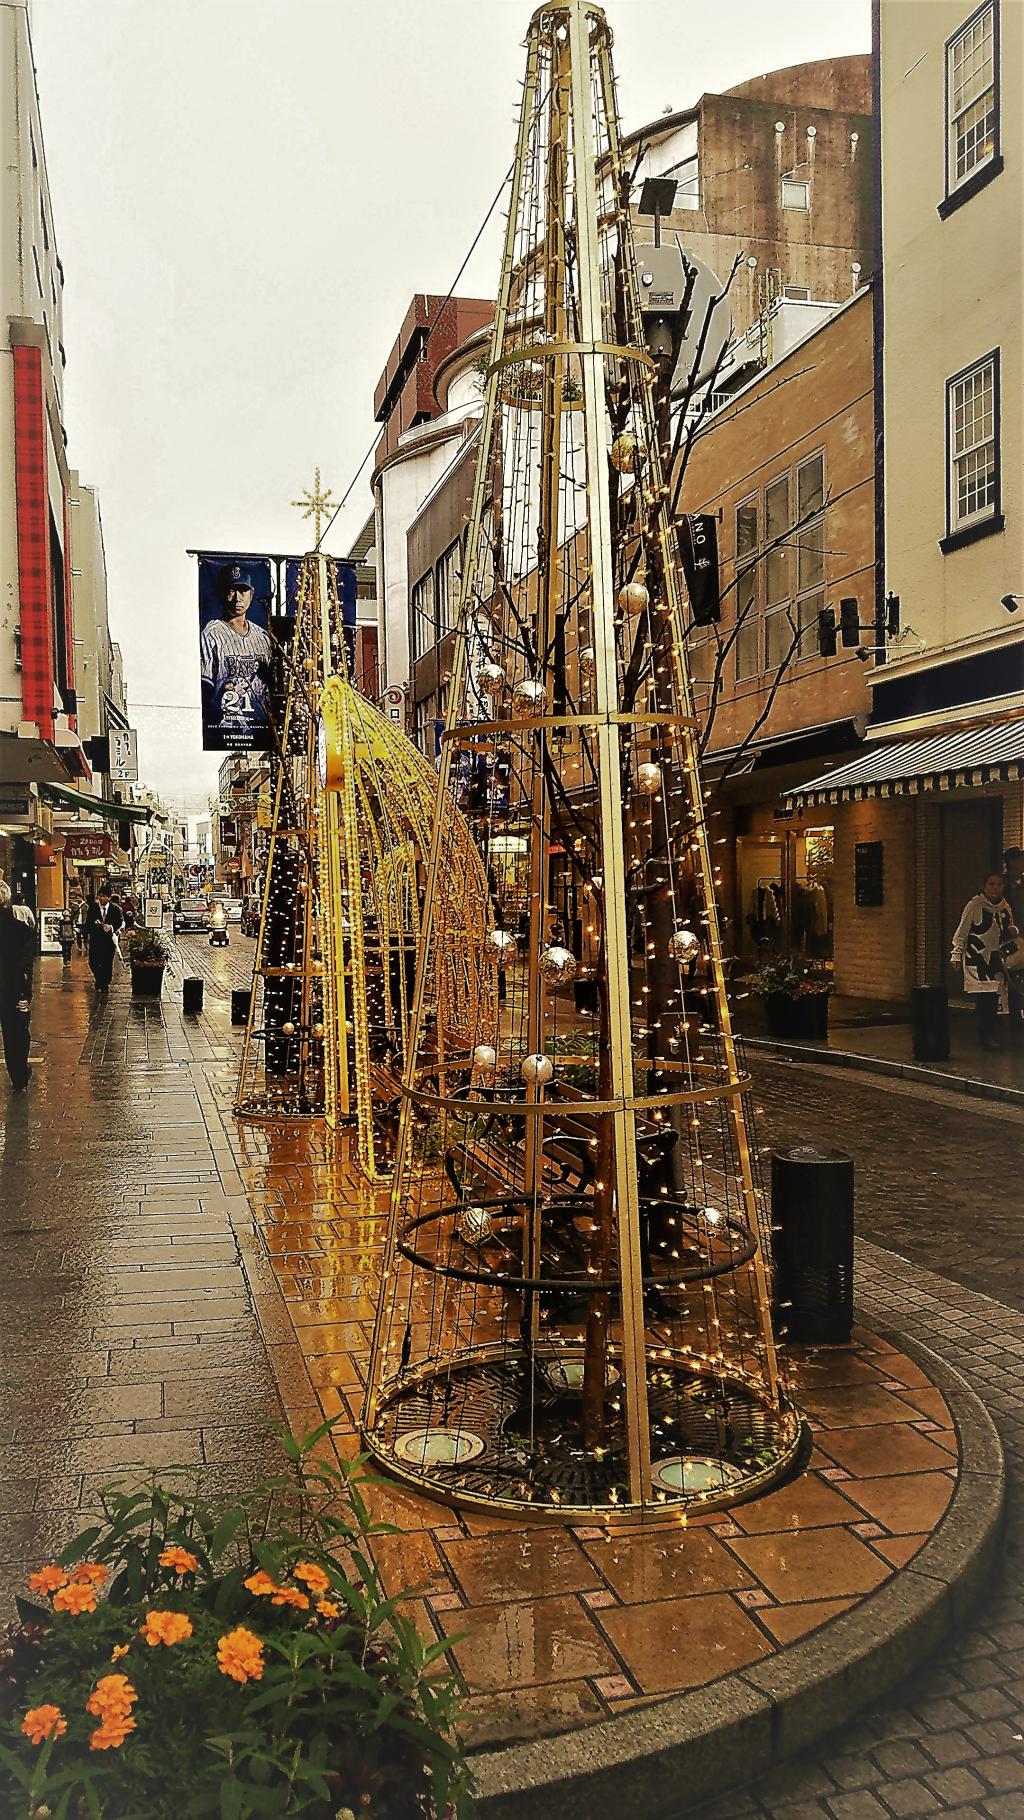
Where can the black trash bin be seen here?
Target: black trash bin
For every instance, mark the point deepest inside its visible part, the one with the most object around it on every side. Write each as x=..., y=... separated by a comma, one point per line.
x=240, y=999
x=929, y=1016
x=812, y=1221
x=192, y=997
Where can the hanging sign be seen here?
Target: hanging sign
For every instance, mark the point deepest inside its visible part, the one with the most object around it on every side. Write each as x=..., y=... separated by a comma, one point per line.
x=124, y=755
x=698, y=548
x=86, y=844
x=235, y=652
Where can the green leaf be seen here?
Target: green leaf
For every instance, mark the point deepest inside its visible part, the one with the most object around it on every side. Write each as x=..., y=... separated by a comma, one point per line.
x=17, y=1769
x=231, y=1798
x=226, y=1530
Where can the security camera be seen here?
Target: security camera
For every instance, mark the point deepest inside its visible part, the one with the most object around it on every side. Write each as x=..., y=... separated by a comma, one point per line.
x=1012, y=602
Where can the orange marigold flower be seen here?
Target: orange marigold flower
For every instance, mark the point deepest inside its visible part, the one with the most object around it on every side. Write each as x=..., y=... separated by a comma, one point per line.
x=120, y=1649
x=166, y=1627
x=112, y=1698
x=328, y=1608
x=180, y=1559
x=261, y=1583
x=89, y=1573
x=290, y=1595
x=111, y=1734
x=240, y=1655
x=48, y=1579
x=311, y=1576
x=43, y=1722
x=76, y=1598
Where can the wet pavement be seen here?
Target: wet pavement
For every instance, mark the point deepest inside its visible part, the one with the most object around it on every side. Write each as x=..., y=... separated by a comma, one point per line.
x=144, y=1322
x=130, y=1337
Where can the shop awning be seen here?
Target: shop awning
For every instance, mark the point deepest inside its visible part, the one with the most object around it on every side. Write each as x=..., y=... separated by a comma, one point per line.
x=100, y=805
x=971, y=757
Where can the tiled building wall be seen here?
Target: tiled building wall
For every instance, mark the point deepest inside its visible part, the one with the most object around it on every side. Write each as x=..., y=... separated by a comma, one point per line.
x=874, y=946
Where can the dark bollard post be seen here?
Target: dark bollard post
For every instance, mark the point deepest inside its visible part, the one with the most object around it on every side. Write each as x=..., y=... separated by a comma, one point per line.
x=929, y=1016
x=192, y=997
x=812, y=1221
x=240, y=1004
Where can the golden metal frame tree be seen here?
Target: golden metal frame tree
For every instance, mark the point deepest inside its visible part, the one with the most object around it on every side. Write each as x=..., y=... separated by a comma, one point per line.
x=574, y=1313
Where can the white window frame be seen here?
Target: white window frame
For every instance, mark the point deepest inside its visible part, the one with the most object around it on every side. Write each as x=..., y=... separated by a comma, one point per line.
x=963, y=442
x=424, y=615
x=789, y=202
x=958, y=109
x=810, y=595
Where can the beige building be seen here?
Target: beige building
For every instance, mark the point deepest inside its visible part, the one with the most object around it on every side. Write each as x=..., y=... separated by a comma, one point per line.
x=937, y=796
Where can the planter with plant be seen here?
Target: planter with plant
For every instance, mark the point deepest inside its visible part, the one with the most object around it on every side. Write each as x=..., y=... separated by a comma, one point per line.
x=795, y=998
x=184, y=1662
x=148, y=956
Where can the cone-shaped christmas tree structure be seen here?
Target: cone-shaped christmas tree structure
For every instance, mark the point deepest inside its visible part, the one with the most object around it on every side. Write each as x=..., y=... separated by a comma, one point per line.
x=377, y=802
x=575, y=1312
x=281, y=1076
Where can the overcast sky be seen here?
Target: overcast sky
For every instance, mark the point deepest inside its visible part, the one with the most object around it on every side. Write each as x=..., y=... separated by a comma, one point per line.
x=246, y=193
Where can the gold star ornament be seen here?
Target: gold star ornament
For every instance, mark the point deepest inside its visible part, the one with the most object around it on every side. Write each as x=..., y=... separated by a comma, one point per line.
x=316, y=504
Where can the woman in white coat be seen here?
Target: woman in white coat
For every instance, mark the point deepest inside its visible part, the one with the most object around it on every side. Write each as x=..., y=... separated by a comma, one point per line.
x=983, y=931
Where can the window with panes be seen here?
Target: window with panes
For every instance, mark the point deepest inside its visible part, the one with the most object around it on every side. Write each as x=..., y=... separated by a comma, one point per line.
x=972, y=443
x=748, y=634
x=972, y=96
x=424, y=627
x=449, y=580
x=778, y=573
x=810, y=548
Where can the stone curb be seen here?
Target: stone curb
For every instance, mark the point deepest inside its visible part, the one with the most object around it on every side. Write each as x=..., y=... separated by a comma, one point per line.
x=875, y=1064
x=661, y=1760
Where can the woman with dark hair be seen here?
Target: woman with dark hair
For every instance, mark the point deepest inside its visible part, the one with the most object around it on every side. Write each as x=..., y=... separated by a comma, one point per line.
x=983, y=931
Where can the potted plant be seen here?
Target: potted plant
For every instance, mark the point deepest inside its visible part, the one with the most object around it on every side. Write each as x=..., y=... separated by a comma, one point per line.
x=238, y=1662
x=795, y=998
x=149, y=955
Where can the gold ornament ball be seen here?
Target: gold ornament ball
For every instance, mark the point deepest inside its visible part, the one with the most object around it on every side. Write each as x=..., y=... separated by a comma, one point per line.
x=485, y=1059
x=624, y=453
x=588, y=661
x=683, y=945
x=318, y=1030
x=634, y=599
x=288, y=1029
x=649, y=779
x=537, y=1070
x=474, y=1224
x=556, y=965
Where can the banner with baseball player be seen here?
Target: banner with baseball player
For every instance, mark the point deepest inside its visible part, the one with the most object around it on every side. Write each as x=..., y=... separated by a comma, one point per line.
x=236, y=652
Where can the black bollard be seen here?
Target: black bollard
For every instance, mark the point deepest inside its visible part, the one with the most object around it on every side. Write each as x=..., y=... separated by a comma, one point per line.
x=240, y=998
x=929, y=1016
x=192, y=997
x=812, y=1221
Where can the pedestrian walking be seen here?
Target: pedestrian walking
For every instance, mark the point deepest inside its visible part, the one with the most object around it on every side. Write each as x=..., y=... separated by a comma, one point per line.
x=985, y=928
x=105, y=923
x=82, y=923
x=67, y=935
x=17, y=957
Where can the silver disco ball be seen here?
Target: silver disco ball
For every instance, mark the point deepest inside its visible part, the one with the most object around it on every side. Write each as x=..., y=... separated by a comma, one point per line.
x=537, y=1070
x=485, y=1059
x=491, y=679
x=530, y=697
x=683, y=945
x=501, y=944
x=557, y=966
x=649, y=779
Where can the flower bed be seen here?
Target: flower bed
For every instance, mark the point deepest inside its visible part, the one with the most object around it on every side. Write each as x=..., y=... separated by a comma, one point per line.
x=182, y=1662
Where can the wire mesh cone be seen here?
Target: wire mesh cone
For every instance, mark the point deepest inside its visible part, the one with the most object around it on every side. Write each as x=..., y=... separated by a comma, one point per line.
x=281, y=1074
x=574, y=1313
x=377, y=808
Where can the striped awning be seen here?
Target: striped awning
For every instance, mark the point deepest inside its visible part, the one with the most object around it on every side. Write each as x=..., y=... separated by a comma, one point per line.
x=970, y=758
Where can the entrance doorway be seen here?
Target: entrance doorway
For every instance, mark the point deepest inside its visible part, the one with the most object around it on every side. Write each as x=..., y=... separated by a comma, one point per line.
x=970, y=846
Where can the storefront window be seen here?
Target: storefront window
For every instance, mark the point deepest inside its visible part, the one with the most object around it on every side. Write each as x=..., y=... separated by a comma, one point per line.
x=785, y=893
